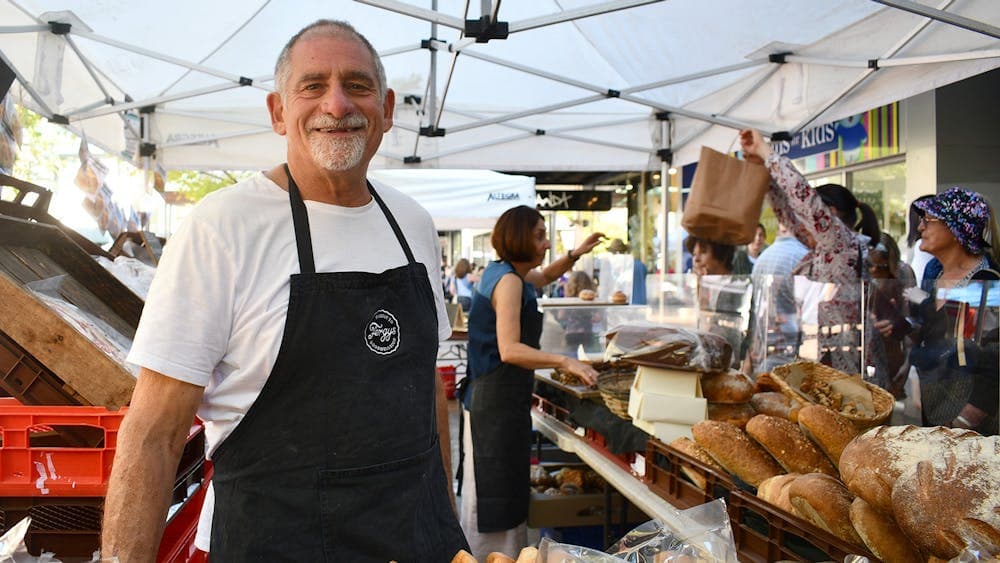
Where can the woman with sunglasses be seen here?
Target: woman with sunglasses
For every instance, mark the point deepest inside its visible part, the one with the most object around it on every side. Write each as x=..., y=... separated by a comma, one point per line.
x=956, y=337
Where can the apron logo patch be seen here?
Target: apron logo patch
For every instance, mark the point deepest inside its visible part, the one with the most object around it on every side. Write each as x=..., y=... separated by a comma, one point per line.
x=382, y=333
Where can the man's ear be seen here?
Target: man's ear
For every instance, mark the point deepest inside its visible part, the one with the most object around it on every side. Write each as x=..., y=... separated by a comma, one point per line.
x=276, y=108
x=388, y=107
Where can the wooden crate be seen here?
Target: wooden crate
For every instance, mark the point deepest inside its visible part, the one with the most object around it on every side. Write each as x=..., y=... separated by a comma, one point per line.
x=30, y=252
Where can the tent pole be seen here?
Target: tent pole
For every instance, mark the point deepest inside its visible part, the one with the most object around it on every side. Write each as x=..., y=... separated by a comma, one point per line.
x=664, y=213
x=118, y=108
x=418, y=13
x=577, y=14
x=941, y=16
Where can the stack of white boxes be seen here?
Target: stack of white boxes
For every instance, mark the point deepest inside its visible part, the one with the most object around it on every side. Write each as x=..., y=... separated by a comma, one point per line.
x=666, y=403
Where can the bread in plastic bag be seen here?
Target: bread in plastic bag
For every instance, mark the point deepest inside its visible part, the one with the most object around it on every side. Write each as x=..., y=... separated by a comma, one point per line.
x=669, y=347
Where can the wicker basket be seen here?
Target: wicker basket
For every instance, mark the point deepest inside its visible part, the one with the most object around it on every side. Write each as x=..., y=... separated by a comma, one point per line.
x=615, y=387
x=882, y=400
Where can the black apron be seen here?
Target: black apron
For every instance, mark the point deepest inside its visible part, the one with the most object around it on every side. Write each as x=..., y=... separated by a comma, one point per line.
x=500, y=421
x=338, y=458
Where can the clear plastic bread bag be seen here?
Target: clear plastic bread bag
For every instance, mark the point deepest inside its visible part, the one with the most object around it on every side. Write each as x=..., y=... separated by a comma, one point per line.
x=669, y=347
x=701, y=534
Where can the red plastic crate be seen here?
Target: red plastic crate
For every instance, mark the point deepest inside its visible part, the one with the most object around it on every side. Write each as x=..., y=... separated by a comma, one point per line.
x=665, y=476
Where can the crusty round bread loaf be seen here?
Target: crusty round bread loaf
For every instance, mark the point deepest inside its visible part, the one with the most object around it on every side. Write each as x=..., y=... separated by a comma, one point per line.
x=873, y=461
x=949, y=500
x=775, y=491
x=619, y=298
x=788, y=444
x=772, y=403
x=766, y=384
x=881, y=534
x=735, y=451
x=587, y=294
x=736, y=414
x=726, y=387
x=826, y=502
x=691, y=448
x=830, y=430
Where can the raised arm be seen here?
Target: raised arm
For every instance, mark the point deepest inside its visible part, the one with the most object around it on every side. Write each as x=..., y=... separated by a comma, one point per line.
x=150, y=441
x=564, y=263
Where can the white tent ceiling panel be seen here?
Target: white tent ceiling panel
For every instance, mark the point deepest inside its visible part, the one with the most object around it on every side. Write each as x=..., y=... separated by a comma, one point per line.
x=551, y=77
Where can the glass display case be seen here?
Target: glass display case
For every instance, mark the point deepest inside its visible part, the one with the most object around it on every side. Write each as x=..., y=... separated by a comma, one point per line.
x=570, y=323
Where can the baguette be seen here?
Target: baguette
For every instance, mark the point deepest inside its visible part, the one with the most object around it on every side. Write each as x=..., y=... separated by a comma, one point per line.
x=788, y=444
x=830, y=430
x=775, y=491
x=945, y=503
x=873, y=461
x=691, y=448
x=826, y=502
x=735, y=451
x=881, y=534
x=726, y=387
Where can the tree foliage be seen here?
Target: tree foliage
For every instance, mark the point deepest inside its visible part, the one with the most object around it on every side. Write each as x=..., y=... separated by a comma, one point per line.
x=196, y=185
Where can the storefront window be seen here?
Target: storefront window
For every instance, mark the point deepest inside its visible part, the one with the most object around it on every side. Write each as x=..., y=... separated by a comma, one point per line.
x=884, y=188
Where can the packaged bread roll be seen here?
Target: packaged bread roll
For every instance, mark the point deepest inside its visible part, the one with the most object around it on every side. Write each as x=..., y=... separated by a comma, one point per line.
x=830, y=430
x=946, y=502
x=872, y=462
x=726, y=387
x=775, y=403
x=774, y=491
x=735, y=451
x=737, y=415
x=881, y=534
x=826, y=502
x=788, y=444
x=691, y=448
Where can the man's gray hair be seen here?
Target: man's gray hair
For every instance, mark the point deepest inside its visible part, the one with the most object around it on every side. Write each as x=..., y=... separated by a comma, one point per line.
x=327, y=28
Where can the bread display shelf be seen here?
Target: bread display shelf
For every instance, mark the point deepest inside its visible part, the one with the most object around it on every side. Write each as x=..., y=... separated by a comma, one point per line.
x=36, y=337
x=578, y=391
x=577, y=302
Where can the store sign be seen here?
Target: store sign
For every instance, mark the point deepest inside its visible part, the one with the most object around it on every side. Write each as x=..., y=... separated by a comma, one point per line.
x=551, y=200
x=859, y=138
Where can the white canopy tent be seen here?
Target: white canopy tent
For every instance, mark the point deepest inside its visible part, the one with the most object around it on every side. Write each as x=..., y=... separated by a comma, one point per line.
x=577, y=85
x=461, y=199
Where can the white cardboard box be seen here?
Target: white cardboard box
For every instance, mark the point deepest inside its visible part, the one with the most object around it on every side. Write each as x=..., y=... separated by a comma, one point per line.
x=654, y=407
x=664, y=431
x=663, y=381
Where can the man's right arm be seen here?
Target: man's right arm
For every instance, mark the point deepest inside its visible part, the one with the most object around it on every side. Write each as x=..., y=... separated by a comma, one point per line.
x=150, y=441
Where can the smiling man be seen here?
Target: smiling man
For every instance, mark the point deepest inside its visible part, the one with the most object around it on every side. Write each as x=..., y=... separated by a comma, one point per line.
x=298, y=314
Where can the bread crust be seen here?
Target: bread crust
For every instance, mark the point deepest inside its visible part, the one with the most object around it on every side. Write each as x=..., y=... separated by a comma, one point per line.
x=830, y=430
x=786, y=442
x=882, y=535
x=736, y=414
x=775, y=491
x=691, y=448
x=826, y=502
x=735, y=451
x=947, y=501
x=731, y=387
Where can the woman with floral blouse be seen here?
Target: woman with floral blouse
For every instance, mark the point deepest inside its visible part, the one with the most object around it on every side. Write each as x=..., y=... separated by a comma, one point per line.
x=827, y=220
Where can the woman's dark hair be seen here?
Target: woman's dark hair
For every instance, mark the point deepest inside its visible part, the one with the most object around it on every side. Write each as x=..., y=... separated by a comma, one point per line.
x=722, y=252
x=888, y=247
x=913, y=234
x=847, y=206
x=462, y=268
x=513, y=235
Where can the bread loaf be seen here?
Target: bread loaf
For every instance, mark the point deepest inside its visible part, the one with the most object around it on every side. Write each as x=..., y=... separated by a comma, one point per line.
x=881, y=534
x=830, y=430
x=788, y=444
x=587, y=294
x=619, y=298
x=947, y=501
x=689, y=447
x=775, y=491
x=735, y=451
x=497, y=557
x=766, y=384
x=873, y=461
x=775, y=403
x=738, y=415
x=826, y=502
x=463, y=557
x=726, y=387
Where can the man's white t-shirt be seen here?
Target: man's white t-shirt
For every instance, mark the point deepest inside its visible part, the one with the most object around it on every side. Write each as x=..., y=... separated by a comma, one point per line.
x=215, y=313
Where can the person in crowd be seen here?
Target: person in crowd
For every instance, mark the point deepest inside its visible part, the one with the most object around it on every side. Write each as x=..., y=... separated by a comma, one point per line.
x=915, y=256
x=837, y=229
x=462, y=284
x=722, y=299
x=746, y=256
x=955, y=336
x=776, y=330
x=624, y=274
x=890, y=276
x=312, y=366
x=505, y=327
x=578, y=322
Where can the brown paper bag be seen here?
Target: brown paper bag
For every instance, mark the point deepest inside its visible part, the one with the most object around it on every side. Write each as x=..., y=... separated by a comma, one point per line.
x=726, y=198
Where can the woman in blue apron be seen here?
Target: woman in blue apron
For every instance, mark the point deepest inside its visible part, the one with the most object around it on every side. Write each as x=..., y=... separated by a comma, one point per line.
x=338, y=458
x=505, y=326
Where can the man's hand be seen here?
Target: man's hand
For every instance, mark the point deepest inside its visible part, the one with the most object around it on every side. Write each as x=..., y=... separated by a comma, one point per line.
x=150, y=441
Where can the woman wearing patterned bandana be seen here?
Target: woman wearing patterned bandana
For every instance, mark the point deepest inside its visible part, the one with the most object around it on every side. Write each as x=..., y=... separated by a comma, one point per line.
x=955, y=344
